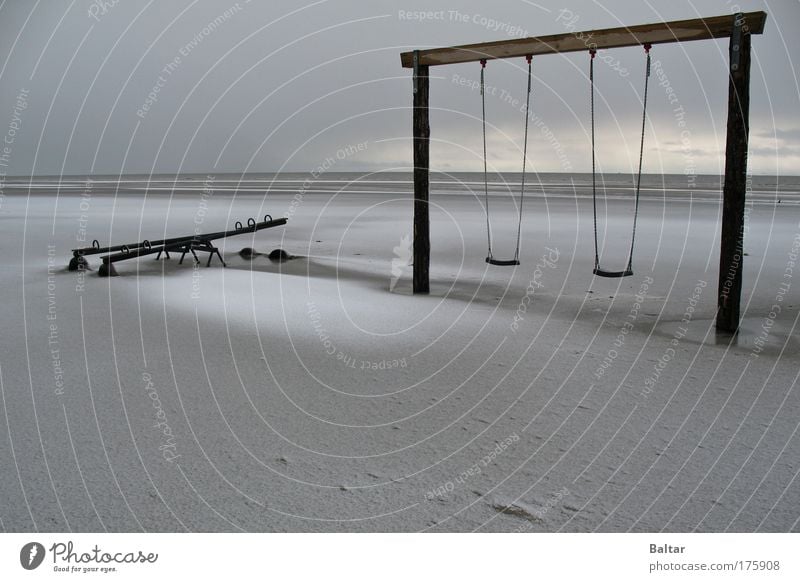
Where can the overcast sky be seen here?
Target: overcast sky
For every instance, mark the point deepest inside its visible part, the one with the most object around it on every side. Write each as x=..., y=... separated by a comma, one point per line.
x=206, y=86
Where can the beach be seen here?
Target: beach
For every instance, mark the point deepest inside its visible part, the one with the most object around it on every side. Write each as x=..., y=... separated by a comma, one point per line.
x=320, y=394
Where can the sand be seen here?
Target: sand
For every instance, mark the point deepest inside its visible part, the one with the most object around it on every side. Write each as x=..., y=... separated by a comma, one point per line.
x=319, y=394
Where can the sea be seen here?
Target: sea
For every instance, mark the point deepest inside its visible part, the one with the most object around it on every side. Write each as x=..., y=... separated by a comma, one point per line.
x=761, y=189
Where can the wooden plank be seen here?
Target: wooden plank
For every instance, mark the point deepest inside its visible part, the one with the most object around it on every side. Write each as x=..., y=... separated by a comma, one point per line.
x=729, y=290
x=422, y=133
x=655, y=33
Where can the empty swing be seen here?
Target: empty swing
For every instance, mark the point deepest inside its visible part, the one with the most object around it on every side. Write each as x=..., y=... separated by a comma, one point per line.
x=598, y=270
x=490, y=257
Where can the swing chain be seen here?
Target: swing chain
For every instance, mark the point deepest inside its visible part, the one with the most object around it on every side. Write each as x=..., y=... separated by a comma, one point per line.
x=528, y=58
x=647, y=47
x=485, y=169
x=592, y=53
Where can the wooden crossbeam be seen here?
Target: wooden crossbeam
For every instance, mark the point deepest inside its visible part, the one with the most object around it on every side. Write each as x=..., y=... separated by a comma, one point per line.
x=655, y=33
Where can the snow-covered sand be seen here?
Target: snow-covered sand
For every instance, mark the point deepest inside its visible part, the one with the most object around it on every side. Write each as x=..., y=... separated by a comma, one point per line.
x=321, y=395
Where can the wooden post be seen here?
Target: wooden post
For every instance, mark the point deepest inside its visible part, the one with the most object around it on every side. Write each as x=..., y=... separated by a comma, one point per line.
x=422, y=132
x=734, y=191
x=738, y=28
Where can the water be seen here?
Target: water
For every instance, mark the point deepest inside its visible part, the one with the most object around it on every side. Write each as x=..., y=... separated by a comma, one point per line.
x=669, y=187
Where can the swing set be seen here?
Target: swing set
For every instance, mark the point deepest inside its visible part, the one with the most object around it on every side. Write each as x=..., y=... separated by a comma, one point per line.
x=738, y=28
x=598, y=270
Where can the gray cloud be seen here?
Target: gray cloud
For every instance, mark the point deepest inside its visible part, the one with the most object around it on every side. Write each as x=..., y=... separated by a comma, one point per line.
x=198, y=86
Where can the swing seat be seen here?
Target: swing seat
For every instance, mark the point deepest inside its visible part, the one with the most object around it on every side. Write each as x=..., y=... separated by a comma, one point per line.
x=612, y=274
x=501, y=263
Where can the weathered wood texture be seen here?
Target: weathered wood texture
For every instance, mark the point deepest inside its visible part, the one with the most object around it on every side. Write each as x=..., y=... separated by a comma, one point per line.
x=734, y=190
x=655, y=33
x=422, y=133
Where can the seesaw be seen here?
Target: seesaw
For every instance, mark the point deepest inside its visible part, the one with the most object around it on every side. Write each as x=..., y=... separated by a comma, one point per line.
x=182, y=244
